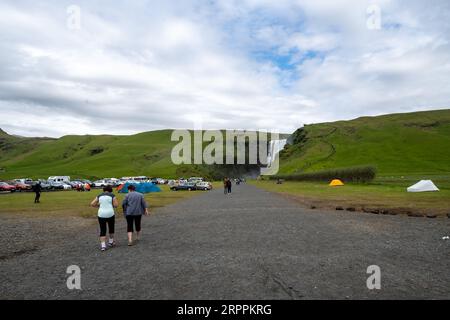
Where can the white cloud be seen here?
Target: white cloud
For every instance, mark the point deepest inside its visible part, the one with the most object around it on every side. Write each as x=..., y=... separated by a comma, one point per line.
x=239, y=64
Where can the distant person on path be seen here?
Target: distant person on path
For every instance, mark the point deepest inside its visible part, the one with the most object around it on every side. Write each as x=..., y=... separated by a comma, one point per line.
x=134, y=206
x=229, y=184
x=106, y=202
x=37, y=190
x=225, y=186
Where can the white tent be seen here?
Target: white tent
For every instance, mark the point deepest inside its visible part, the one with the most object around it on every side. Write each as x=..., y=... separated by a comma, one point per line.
x=423, y=185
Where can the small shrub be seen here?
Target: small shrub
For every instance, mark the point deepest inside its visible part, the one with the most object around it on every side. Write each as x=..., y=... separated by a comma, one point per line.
x=362, y=174
x=96, y=150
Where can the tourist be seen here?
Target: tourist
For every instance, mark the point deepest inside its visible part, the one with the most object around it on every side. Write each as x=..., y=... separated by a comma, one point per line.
x=37, y=190
x=225, y=185
x=106, y=202
x=229, y=184
x=134, y=206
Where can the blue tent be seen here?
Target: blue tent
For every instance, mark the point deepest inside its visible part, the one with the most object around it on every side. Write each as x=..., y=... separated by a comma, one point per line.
x=146, y=187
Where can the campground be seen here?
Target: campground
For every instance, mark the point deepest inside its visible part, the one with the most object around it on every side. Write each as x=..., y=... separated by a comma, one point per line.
x=387, y=195
x=384, y=193
x=75, y=204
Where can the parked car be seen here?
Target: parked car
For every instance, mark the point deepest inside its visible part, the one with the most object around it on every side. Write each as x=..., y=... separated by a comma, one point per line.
x=113, y=182
x=23, y=181
x=74, y=184
x=206, y=186
x=99, y=183
x=21, y=186
x=44, y=184
x=161, y=181
x=171, y=183
x=57, y=185
x=67, y=186
x=7, y=187
x=195, y=179
x=85, y=182
x=187, y=186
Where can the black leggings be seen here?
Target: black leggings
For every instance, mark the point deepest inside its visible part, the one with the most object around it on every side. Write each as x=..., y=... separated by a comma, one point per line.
x=103, y=221
x=133, y=221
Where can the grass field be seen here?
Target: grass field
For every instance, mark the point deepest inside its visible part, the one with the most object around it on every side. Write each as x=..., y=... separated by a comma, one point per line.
x=379, y=195
x=72, y=203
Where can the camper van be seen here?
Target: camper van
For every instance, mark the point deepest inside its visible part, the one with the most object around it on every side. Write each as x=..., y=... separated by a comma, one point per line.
x=61, y=179
x=135, y=179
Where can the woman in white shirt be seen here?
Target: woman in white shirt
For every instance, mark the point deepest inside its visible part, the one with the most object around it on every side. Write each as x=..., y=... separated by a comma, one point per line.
x=106, y=202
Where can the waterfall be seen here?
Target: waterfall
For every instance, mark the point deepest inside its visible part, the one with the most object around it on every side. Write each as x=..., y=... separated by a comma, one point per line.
x=275, y=146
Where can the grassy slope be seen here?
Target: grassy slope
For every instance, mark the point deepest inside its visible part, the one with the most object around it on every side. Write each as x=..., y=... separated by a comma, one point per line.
x=414, y=144
x=13, y=147
x=146, y=153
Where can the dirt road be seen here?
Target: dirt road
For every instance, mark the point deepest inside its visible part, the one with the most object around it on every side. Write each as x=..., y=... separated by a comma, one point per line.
x=248, y=245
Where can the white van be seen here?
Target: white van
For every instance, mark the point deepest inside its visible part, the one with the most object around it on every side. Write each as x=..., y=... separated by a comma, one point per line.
x=61, y=179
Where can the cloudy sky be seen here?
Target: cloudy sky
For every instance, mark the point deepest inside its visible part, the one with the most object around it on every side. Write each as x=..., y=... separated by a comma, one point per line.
x=122, y=67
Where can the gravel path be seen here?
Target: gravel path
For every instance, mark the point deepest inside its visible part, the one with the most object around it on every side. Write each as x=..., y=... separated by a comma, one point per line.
x=248, y=245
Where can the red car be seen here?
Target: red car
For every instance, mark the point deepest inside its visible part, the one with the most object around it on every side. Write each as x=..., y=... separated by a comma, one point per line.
x=7, y=187
x=21, y=186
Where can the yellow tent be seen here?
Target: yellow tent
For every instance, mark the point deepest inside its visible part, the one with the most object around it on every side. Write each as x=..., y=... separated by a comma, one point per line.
x=336, y=183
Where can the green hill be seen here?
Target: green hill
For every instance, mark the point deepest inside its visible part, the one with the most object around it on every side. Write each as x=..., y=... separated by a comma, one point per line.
x=87, y=156
x=413, y=144
x=397, y=144
x=101, y=156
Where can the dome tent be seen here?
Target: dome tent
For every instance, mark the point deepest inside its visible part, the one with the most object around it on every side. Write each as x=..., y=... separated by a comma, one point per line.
x=336, y=183
x=422, y=186
x=145, y=187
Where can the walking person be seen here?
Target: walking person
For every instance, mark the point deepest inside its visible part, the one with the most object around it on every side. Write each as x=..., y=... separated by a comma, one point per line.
x=134, y=206
x=229, y=184
x=37, y=190
x=106, y=202
x=225, y=186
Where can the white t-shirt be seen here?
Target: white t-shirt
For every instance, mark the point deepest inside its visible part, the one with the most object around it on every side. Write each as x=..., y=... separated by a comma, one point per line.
x=105, y=201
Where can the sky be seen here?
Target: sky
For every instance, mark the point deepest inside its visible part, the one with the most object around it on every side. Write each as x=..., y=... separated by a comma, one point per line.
x=123, y=67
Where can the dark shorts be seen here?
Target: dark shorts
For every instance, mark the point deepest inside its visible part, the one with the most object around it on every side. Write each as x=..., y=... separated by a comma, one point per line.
x=106, y=221
x=133, y=221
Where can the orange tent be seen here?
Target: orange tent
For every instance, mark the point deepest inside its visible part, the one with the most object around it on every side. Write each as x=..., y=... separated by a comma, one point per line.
x=336, y=183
